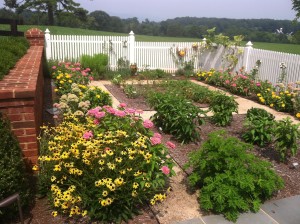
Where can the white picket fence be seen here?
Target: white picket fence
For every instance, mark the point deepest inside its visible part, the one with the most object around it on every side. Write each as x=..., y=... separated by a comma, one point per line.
x=153, y=55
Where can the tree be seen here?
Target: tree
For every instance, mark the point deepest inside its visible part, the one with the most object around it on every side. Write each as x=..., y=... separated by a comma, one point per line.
x=51, y=7
x=102, y=20
x=296, y=7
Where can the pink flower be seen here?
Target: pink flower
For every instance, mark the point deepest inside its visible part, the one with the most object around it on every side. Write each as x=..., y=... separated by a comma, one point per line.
x=171, y=145
x=157, y=135
x=109, y=109
x=96, y=121
x=155, y=140
x=120, y=113
x=227, y=81
x=77, y=69
x=99, y=114
x=257, y=84
x=87, y=69
x=233, y=84
x=147, y=124
x=54, y=67
x=130, y=111
x=88, y=135
x=83, y=73
x=122, y=105
x=55, y=116
x=165, y=170
x=91, y=78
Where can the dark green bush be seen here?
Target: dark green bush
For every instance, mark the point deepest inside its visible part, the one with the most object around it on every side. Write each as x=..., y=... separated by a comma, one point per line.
x=230, y=179
x=12, y=49
x=259, y=126
x=97, y=63
x=176, y=115
x=13, y=176
x=223, y=106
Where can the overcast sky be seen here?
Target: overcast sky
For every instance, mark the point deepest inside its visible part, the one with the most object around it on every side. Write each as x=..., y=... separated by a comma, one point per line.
x=158, y=10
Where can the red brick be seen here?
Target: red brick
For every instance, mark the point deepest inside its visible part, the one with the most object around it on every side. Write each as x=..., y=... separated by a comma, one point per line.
x=27, y=138
x=23, y=146
x=23, y=124
x=32, y=145
x=33, y=160
x=28, y=116
x=15, y=117
x=21, y=93
x=30, y=153
x=6, y=94
x=19, y=132
x=30, y=131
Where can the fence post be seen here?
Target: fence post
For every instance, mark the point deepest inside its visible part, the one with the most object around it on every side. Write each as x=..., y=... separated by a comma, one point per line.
x=47, y=44
x=248, y=50
x=131, y=48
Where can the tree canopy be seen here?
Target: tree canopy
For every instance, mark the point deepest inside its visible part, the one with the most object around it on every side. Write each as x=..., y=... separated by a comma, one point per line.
x=296, y=7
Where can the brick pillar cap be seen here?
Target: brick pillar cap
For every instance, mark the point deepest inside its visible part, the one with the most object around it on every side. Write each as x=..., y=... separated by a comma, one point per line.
x=34, y=32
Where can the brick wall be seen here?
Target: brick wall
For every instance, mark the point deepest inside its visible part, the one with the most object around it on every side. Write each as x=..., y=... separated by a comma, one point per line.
x=21, y=95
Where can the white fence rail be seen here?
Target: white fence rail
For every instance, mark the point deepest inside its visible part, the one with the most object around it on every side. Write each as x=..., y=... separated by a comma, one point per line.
x=154, y=55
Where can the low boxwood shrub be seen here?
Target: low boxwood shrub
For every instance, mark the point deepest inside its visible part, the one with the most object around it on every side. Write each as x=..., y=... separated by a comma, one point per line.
x=259, y=126
x=13, y=175
x=231, y=180
x=12, y=49
x=222, y=106
x=97, y=63
x=176, y=115
x=105, y=166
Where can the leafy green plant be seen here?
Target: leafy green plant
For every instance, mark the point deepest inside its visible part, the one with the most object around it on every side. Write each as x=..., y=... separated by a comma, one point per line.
x=13, y=175
x=259, y=126
x=287, y=137
x=176, y=115
x=130, y=91
x=230, y=179
x=105, y=166
x=222, y=106
x=117, y=80
x=97, y=63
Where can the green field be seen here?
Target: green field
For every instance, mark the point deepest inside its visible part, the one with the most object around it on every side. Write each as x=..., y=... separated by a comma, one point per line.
x=287, y=48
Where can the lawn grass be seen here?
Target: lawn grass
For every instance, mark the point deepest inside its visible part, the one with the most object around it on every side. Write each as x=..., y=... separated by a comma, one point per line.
x=287, y=48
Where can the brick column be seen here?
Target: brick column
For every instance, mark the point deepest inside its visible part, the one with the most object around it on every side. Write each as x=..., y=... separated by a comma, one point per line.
x=21, y=96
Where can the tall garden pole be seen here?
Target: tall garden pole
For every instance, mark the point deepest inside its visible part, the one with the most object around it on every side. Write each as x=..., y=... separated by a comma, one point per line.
x=131, y=48
x=248, y=50
x=47, y=44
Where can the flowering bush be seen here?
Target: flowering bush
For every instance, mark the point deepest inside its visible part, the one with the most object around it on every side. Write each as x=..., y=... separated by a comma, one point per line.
x=65, y=74
x=105, y=166
x=81, y=98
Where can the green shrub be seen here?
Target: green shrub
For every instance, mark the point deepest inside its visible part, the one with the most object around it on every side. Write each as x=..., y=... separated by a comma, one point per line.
x=130, y=91
x=12, y=49
x=259, y=126
x=231, y=180
x=223, y=106
x=287, y=137
x=176, y=115
x=13, y=176
x=104, y=167
x=97, y=63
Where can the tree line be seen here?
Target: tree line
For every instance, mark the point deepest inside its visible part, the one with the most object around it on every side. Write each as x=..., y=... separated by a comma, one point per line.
x=69, y=14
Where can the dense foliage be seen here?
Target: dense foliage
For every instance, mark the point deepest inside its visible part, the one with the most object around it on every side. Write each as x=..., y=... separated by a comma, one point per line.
x=176, y=115
x=12, y=49
x=231, y=180
x=97, y=63
x=13, y=176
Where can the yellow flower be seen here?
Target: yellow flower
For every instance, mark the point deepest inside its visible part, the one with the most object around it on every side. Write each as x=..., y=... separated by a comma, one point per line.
x=282, y=105
x=104, y=193
x=57, y=168
x=298, y=115
x=135, y=185
x=271, y=105
x=147, y=185
x=35, y=167
x=53, y=178
x=54, y=213
x=258, y=94
x=84, y=213
x=119, y=159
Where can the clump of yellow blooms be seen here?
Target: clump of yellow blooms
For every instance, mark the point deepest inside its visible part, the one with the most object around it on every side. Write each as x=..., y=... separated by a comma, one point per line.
x=102, y=164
